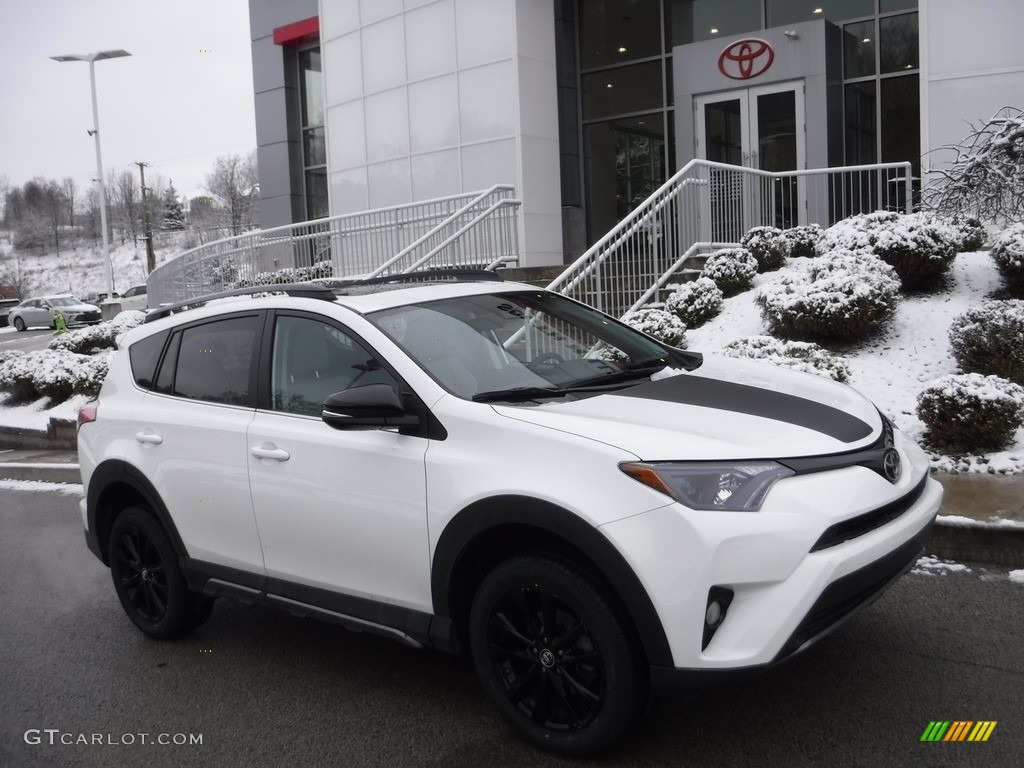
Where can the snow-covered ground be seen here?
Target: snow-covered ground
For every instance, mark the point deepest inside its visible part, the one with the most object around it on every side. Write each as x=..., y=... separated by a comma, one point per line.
x=895, y=367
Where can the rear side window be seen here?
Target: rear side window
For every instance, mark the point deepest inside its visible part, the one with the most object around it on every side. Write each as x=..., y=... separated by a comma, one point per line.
x=212, y=362
x=144, y=356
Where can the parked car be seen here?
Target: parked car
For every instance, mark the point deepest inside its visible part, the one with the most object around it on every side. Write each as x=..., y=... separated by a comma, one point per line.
x=134, y=298
x=471, y=464
x=6, y=305
x=39, y=311
x=98, y=298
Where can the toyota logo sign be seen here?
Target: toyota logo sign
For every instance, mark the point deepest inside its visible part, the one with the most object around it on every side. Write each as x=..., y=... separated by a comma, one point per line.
x=746, y=59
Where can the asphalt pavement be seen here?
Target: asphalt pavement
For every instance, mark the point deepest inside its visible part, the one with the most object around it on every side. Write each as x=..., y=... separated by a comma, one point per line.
x=261, y=687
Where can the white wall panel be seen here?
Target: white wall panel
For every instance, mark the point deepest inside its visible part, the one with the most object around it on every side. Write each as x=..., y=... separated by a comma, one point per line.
x=384, y=55
x=346, y=134
x=430, y=40
x=487, y=101
x=489, y=163
x=486, y=30
x=387, y=114
x=390, y=183
x=338, y=17
x=349, y=191
x=343, y=79
x=375, y=10
x=434, y=114
x=436, y=174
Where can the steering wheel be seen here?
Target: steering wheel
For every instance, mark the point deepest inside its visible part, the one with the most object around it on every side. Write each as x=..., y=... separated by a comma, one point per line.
x=545, y=359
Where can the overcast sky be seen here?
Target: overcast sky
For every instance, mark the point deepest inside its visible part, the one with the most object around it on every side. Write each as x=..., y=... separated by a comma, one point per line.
x=182, y=98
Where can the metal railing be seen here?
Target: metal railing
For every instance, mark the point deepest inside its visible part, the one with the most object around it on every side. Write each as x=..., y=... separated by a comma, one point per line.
x=472, y=229
x=706, y=206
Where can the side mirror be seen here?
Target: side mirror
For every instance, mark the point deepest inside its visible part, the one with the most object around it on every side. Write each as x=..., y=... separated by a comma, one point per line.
x=366, y=407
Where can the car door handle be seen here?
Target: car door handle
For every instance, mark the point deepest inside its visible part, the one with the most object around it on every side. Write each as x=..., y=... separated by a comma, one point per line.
x=269, y=451
x=148, y=437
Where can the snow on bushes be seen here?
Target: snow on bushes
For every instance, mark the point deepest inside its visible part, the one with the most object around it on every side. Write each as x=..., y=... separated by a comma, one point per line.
x=843, y=297
x=768, y=245
x=101, y=336
x=972, y=233
x=664, y=326
x=800, y=355
x=803, y=241
x=989, y=339
x=695, y=302
x=732, y=269
x=56, y=374
x=920, y=249
x=970, y=412
x=1008, y=253
x=287, y=275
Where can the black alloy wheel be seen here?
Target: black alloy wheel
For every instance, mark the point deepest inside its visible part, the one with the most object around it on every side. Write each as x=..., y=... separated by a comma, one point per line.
x=556, y=656
x=148, y=581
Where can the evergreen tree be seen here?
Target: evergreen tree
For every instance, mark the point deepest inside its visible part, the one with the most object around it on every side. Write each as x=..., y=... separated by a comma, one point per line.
x=173, y=210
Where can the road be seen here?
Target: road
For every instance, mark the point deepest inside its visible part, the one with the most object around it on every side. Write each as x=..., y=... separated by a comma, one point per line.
x=261, y=687
x=33, y=338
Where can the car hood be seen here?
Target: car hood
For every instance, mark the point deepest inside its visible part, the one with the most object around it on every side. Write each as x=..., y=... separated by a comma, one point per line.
x=726, y=409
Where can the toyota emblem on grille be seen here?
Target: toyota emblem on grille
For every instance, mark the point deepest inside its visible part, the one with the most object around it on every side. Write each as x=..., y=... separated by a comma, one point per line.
x=891, y=465
x=746, y=59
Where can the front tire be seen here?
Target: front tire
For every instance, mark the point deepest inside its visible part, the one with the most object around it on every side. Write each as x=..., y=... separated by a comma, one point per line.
x=150, y=585
x=556, y=656
x=19, y=324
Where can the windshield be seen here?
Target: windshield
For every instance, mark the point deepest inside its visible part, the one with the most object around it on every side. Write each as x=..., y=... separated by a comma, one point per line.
x=534, y=344
x=63, y=301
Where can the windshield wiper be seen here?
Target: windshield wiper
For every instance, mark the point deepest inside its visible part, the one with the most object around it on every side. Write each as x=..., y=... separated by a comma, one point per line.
x=515, y=394
x=634, y=372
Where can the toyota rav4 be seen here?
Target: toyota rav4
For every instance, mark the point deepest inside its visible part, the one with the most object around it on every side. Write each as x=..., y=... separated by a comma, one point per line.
x=472, y=464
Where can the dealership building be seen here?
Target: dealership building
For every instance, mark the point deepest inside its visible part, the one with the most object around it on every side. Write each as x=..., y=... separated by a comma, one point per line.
x=587, y=106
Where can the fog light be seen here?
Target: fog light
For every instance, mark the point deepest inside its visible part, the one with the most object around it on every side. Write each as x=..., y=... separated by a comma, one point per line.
x=718, y=604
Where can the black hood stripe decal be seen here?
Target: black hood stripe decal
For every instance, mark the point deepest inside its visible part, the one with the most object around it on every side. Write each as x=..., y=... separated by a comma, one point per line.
x=755, y=401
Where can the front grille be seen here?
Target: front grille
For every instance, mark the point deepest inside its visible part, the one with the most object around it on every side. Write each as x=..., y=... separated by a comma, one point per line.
x=846, y=595
x=87, y=317
x=869, y=521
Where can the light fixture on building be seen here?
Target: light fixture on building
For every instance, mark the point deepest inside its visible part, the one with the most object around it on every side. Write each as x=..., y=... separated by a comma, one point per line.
x=622, y=49
x=818, y=10
x=866, y=40
x=609, y=86
x=714, y=30
x=791, y=34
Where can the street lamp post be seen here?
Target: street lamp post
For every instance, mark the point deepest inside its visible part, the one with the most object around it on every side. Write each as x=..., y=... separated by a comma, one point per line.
x=92, y=58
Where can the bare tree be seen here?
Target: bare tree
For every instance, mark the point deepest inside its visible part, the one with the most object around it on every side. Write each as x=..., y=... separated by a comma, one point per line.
x=235, y=180
x=68, y=191
x=123, y=204
x=986, y=176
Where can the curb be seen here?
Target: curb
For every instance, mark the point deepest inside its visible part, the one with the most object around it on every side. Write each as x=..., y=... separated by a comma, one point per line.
x=60, y=434
x=977, y=542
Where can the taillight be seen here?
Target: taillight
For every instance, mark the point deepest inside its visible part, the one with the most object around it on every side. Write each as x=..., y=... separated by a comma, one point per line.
x=88, y=413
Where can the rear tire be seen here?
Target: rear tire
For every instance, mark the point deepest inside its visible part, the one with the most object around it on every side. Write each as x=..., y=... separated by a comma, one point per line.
x=556, y=656
x=150, y=585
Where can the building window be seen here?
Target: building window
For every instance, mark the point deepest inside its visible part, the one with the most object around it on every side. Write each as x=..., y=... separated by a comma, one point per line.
x=314, y=148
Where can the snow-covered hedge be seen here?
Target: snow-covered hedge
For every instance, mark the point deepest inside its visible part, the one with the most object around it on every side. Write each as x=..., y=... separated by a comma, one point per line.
x=970, y=412
x=1008, y=253
x=920, y=249
x=101, y=336
x=768, y=245
x=56, y=374
x=989, y=339
x=695, y=302
x=843, y=296
x=972, y=233
x=732, y=269
x=287, y=275
x=800, y=355
x=803, y=241
x=662, y=325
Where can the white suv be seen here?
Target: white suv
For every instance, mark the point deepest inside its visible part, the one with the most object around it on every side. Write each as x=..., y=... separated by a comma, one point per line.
x=471, y=463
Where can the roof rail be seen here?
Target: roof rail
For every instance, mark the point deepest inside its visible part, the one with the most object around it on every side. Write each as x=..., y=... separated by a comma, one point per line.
x=423, y=276
x=296, y=290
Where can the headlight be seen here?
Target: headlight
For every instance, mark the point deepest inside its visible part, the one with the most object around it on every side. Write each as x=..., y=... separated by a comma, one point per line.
x=726, y=485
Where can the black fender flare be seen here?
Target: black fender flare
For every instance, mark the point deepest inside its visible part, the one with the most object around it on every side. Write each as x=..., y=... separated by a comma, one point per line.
x=488, y=514
x=119, y=472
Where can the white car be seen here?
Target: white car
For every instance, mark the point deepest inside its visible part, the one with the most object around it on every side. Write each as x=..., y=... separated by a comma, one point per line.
x=40, y=312
x=485, y=465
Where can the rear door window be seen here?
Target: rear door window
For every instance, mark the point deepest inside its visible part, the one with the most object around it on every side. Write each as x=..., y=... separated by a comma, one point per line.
x=213, y=362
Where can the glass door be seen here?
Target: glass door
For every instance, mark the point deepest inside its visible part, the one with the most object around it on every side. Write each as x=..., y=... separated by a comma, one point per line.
x=759, y=128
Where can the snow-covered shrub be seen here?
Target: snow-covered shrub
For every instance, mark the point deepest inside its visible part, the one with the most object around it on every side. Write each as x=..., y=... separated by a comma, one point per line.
x=732, y=269
x=100, y=336
x=695, y=302
x=844, y=296
x=287, y=275
x=800, y=355
x=56, y=374
x=768, y=245
x=664, y=326
x=1008, y=253
x=971, y=412
x=803, y=240
x=919, y=249
x=972, y=233
x=989, y=339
